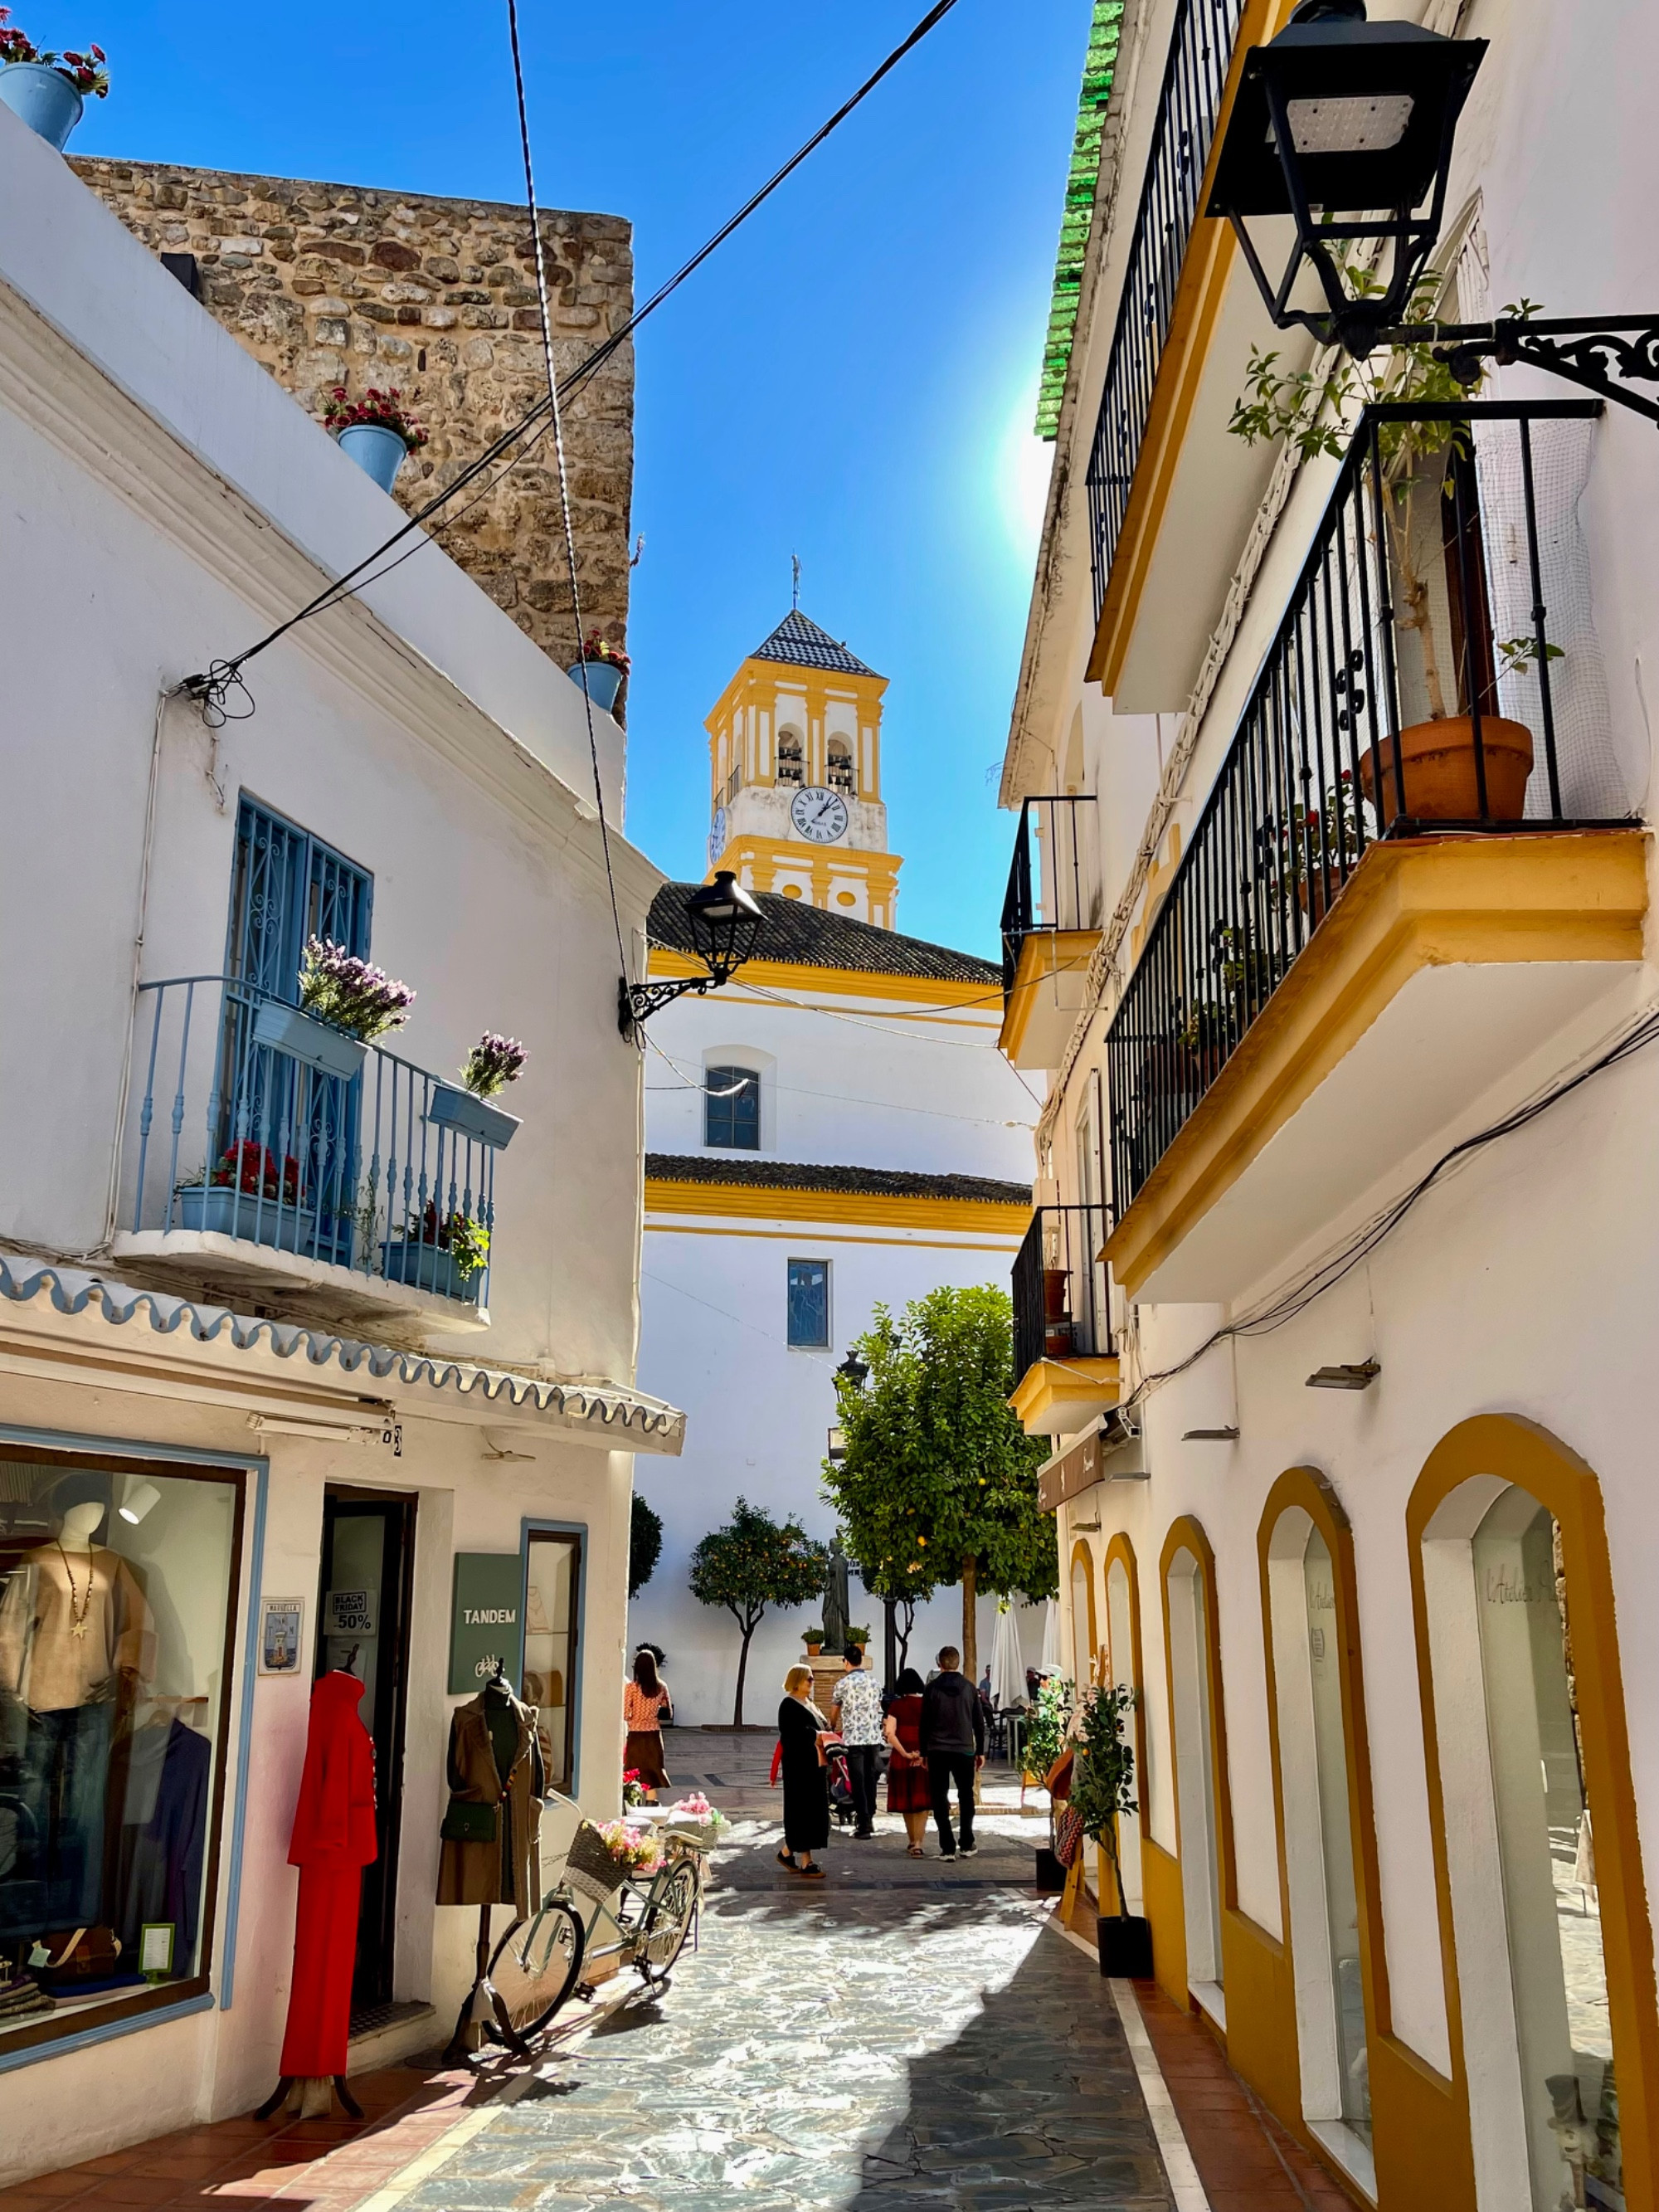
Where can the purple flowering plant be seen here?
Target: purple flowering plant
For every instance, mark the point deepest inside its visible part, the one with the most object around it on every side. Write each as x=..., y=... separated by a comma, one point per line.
x=493, y=1063
x=336, y=987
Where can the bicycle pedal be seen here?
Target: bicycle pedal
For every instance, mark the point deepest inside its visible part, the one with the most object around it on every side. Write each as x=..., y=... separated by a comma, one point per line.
x=586, y=1991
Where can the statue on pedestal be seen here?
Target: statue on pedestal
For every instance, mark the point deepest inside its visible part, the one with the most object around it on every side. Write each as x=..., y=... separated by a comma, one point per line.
x=834, y=1599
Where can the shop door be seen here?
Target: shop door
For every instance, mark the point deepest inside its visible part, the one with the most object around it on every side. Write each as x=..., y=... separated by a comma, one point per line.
x=369, y=1553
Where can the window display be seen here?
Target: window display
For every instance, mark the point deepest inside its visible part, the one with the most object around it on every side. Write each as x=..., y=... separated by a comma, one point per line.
x=116, y=1581
x=550, y=1648
x=1336, y=1839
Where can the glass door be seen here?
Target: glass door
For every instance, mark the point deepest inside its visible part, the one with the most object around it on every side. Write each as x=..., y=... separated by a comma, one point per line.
x=552, y=1611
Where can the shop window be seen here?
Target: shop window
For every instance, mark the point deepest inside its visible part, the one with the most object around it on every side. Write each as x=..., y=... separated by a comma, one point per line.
x=117, y=1582
x=1307, y=1643
x=732, y=1108
x=809, y=1303
x=1521, y=1850
x=1194, y=1757
x=551, y=1602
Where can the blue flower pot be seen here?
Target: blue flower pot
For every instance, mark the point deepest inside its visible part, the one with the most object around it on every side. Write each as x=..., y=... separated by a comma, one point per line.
x=219, y=1212
x=428, y=1268
x=378, y=452
x=47, y=102
x=472, y=1117
x=605, y=680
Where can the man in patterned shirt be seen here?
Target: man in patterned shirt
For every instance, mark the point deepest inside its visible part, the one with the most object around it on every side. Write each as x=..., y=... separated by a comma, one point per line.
x=857, y=1714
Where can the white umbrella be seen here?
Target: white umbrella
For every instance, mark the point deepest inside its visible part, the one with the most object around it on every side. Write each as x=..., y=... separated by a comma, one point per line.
x=1052, y=1662
x=1007, y=1667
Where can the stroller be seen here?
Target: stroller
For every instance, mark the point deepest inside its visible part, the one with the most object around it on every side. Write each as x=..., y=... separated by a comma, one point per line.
x=840, y=1784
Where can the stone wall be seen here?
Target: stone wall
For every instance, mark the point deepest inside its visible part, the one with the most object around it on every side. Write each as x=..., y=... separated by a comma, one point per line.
x=331, y=284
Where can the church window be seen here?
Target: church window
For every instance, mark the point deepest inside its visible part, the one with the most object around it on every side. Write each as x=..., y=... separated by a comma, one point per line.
x=809, y=1303
x=792, y=760
x=732, y=1108
x=840, y=765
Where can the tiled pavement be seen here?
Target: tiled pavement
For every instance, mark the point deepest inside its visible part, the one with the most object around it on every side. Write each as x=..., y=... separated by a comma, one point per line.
x=903, y=2037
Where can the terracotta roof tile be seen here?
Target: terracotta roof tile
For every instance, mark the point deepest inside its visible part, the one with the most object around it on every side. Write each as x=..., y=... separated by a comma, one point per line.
x=804, y=936
x=749, y=1169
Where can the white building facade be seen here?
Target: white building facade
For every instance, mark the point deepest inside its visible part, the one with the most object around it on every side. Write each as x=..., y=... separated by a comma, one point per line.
x=1348, y=1232
x=834, y=1129
x=250, y=1400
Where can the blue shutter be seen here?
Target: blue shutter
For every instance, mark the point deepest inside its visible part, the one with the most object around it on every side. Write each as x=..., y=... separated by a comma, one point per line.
x=286, y=885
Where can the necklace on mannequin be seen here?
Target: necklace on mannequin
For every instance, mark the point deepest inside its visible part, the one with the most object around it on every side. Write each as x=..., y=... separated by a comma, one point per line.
x=77, y=1619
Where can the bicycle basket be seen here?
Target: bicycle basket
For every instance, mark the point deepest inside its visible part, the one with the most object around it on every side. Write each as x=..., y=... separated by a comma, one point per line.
x=590, y=1869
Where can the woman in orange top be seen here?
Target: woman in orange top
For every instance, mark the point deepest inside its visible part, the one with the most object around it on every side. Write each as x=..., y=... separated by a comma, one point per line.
x=645, y=1708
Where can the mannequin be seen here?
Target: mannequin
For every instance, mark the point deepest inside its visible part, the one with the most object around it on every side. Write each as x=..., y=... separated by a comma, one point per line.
x=495, y=1767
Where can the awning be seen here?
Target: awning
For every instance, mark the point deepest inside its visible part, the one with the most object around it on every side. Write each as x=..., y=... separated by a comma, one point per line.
x=632, y=1420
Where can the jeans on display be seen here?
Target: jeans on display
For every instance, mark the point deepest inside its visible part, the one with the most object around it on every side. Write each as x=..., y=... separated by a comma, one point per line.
x=861, y=1773
x=944, y=1768
x=54, y=1786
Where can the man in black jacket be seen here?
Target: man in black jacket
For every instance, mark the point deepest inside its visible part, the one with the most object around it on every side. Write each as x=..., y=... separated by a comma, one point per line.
x=953, y=1742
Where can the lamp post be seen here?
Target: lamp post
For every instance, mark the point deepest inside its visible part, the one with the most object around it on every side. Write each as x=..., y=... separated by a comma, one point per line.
x=1347, y=127
x=725, y=922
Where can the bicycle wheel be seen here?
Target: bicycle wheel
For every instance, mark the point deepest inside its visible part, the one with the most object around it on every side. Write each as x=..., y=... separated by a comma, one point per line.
x=534, y=1970
x=666, y=1921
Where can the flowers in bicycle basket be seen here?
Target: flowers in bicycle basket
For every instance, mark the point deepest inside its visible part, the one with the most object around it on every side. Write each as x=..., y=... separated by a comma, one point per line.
x=251, y=1168
x=466, y=1240
x=631, y=1850
x=336, y=987
x=696, y=1808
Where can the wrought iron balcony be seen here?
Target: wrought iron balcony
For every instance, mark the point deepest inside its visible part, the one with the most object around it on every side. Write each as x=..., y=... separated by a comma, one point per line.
x=1062, y=1310
x=1190, y=102
x=1053, y=884
x=1436, y=671
x=268, y=1150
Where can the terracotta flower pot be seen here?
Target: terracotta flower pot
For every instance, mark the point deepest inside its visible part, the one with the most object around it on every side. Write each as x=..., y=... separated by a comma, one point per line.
x=1056, y=1293
x=1438, y=759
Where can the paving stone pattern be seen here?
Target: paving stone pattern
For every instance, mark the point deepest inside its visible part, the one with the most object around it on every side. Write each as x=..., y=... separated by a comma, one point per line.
x=328, y=284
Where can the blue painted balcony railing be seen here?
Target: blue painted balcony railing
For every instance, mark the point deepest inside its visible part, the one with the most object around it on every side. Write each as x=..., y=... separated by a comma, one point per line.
x=256, y=1123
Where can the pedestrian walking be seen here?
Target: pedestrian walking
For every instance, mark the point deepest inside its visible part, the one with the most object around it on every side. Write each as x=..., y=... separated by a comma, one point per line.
x=856, y=1716
x=908, y=1790
x=646, y=1708
x=953, y=1742
x=803, y=1733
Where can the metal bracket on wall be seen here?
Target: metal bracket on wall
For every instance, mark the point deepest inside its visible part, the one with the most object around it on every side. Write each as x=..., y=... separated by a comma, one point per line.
x=1593, y=355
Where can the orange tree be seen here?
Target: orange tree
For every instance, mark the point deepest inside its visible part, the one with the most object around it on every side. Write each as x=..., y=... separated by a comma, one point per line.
x=754, y=1561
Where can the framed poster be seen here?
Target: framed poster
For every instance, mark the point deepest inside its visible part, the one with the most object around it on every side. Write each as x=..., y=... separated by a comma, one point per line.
x=485, y=1623
x=281, y=1621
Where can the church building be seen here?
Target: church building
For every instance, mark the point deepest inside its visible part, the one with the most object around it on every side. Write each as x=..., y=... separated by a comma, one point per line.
x=834, y=1129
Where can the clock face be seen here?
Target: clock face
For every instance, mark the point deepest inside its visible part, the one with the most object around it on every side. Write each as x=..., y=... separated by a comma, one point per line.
x=818, y=814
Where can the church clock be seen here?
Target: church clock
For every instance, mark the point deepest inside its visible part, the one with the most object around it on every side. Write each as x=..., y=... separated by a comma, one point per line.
x=818, y=814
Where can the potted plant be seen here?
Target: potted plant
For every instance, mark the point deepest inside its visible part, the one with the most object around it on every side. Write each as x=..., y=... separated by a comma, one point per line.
x=251, y=1195
x=344, y=1005
x=1045, y=1735
x=1438, y=760
x=445, y=1255
x=693, y=1819
x=604, y=667
x=493, y=1063
x=47, y=90
x=1102, y=1790
x=813, y=1639
x=376, y=430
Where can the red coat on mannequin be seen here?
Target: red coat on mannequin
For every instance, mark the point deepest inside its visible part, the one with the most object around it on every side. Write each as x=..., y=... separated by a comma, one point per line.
x=333, y=1841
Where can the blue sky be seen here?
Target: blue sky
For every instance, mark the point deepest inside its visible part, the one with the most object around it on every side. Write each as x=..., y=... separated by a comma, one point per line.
x=851, y=378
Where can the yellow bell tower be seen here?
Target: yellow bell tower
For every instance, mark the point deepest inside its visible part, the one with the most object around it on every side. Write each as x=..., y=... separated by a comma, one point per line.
x=794, y=764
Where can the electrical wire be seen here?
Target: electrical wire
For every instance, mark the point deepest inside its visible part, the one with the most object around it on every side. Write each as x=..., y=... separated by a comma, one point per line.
x=222, y=679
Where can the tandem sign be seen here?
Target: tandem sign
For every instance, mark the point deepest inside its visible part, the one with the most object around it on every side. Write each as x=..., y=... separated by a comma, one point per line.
x=486, y=1619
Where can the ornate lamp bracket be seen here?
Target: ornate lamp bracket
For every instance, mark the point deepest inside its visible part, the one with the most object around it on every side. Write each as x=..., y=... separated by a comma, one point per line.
x=637, y=1002
x=1595, y=355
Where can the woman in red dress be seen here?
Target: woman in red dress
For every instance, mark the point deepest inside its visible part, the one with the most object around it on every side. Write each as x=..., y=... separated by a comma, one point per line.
x=908, y=1789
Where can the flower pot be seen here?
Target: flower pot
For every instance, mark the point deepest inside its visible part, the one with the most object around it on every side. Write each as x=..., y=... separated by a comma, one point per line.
x=1050, y=1875
x=1438, y=761
x=605, y=680
x=221, y=1212
x=378, y=452
x=302, y=1038
x=47, y=102
x=472, y=1117
x=1124, y=1946
x=1056, y=1293
x=813, y=1650
x=428, y=1268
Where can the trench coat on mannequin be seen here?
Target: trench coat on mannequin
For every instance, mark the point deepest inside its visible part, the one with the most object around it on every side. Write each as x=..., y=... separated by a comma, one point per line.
x=333, y=1841
x=508, y=1871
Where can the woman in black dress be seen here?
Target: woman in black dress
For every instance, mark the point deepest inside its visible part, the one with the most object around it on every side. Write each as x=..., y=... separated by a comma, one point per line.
x=802, y=1733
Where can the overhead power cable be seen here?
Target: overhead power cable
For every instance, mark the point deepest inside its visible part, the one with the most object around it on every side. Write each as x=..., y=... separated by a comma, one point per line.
x=214, y=687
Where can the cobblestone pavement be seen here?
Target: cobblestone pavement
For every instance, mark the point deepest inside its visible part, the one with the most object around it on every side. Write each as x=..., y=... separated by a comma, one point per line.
x=903, y=2037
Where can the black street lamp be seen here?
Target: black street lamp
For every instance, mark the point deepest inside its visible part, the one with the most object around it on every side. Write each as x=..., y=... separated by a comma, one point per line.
x=853, y=1370
x=724, y=923
x=1347, y=127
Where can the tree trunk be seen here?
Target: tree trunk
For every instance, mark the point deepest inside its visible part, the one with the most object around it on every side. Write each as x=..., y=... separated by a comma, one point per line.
x=971, y=1618
x=890, y=1661
x=743, y=1668
x=905, y=1632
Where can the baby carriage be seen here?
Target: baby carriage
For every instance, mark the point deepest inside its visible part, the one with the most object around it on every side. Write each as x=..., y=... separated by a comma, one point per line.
x=840, y=1784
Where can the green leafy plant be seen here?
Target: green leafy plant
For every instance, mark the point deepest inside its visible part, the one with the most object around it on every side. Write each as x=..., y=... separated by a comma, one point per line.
x=644, y=1544
x=1047, y=1722
x=466, y=1240
x=938, y=1481
x=752, y=1562
x=1519, y=656
x=1102, y=1780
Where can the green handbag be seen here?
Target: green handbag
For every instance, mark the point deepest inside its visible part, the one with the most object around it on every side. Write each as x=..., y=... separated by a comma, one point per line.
x=468, y=1824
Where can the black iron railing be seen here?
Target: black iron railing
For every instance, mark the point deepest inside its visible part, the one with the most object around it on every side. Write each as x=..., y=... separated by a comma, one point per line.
x=1053, y=880
x=1062, y=1308
x=1437, y=670
x=1188, y=104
